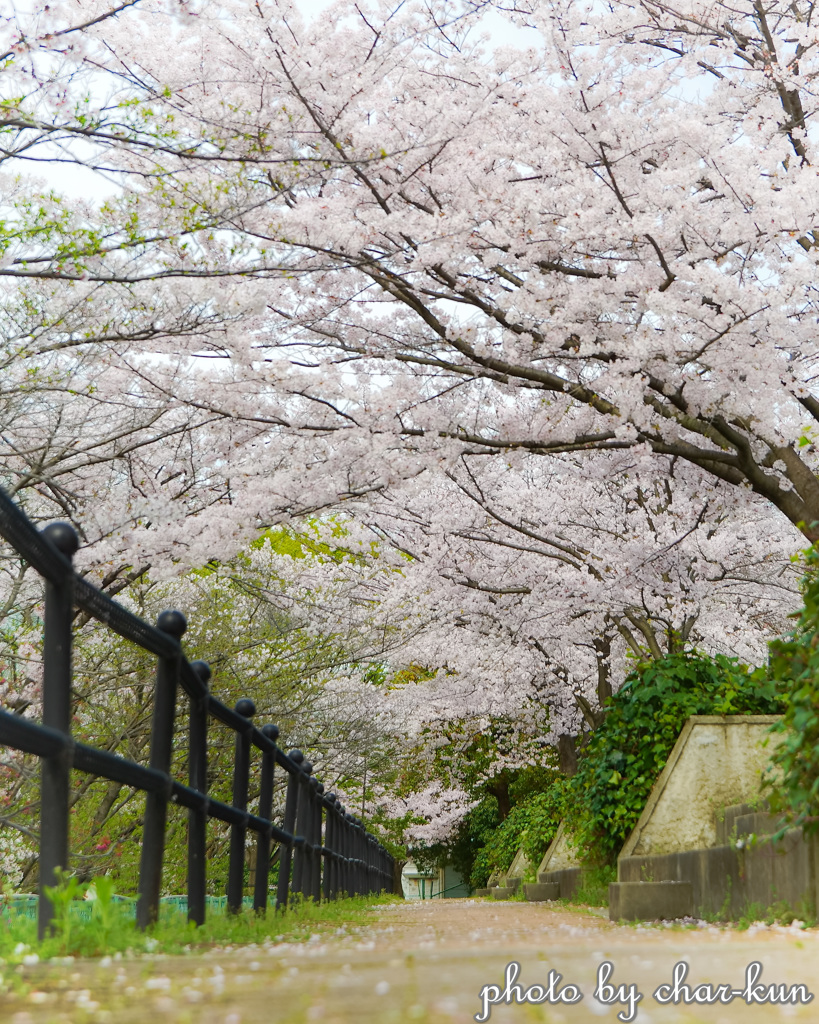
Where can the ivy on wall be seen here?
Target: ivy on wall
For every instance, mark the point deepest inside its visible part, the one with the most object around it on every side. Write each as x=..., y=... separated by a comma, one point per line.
x=627, y=753
x=794, y=666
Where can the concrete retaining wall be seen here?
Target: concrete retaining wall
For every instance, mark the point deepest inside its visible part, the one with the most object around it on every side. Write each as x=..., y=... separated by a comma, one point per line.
x=560, y=855
x=716, y=761
x=518, y=868
x=690, y=832
x=728, y=881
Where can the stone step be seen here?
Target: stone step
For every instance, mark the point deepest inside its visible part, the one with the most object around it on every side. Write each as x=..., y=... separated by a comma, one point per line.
x=569, y=880
x=650, y=901
x=510, y=883
x=483, y=892
x=537, y=892
x=503, y=892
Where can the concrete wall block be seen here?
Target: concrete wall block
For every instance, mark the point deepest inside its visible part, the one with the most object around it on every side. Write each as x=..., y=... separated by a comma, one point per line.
x=509, y=882
x=727, y=881
x=560, y=854
x=726, y=821
x=650, y=901
x=519, y=866
x=503, y=892
x=568, y=879
x=716, y=762
x=537, y=892
x=757, y=823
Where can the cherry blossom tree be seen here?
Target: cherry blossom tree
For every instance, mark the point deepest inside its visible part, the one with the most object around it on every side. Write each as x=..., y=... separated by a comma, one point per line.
x=446, y=246
x=538, y=615
x=549, y=308
x=492, y=234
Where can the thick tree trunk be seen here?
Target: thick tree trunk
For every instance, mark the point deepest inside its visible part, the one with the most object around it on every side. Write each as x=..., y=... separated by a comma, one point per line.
x=602, y=651
x=397, y=868
x=499, y=788
x=111, y=793
x=567, y=751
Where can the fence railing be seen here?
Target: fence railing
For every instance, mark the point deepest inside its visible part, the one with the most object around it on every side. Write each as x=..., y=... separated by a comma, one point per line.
x=323, y=849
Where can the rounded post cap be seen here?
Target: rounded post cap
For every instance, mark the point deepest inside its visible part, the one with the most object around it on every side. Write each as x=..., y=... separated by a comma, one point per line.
x=295, y=756
x=307, y=767
x=314, y=783
x=271, y=731
x=202, y=669
x=332, y=798
x=245, y=707
x=172, y=622
x=320, y=787
x=63, y=536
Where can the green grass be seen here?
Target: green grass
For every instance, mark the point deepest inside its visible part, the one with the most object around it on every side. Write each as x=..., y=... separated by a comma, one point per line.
x=111, y=929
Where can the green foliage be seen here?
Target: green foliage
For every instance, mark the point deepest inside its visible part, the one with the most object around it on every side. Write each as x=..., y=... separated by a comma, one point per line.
x=101, y=892
x=793, y=783
x=629, y=750
x=531, y=824
x=61, y=896
x=594, y=885
x=486, y=843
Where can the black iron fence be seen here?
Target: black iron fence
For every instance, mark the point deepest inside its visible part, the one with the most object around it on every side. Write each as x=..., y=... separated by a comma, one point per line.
x=323, y=850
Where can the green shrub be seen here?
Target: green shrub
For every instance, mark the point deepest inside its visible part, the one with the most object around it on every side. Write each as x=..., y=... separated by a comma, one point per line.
x=531, y=824
x=629, y=750
x=794, y=665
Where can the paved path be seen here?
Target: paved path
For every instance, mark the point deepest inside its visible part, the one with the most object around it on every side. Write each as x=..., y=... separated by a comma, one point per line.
x=427, y=963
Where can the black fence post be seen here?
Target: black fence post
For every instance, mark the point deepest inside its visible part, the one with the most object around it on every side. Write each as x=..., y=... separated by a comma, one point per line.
x=56, y=771
x=352, y=836
x=356, y=854
x=238, y=833
x=261, y=881
x=301, y=857
x=330, y=863
x=365, y=858
x=289, y=826
x=337, y=878
x=198, y=779
x=359, y=857
x=353, y=854
x=318, y=856
x=387, y=883
x=156, y=804
x=344, y=850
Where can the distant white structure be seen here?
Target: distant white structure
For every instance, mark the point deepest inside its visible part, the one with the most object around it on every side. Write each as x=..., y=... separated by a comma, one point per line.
x=421, y=883
x=424, y=883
